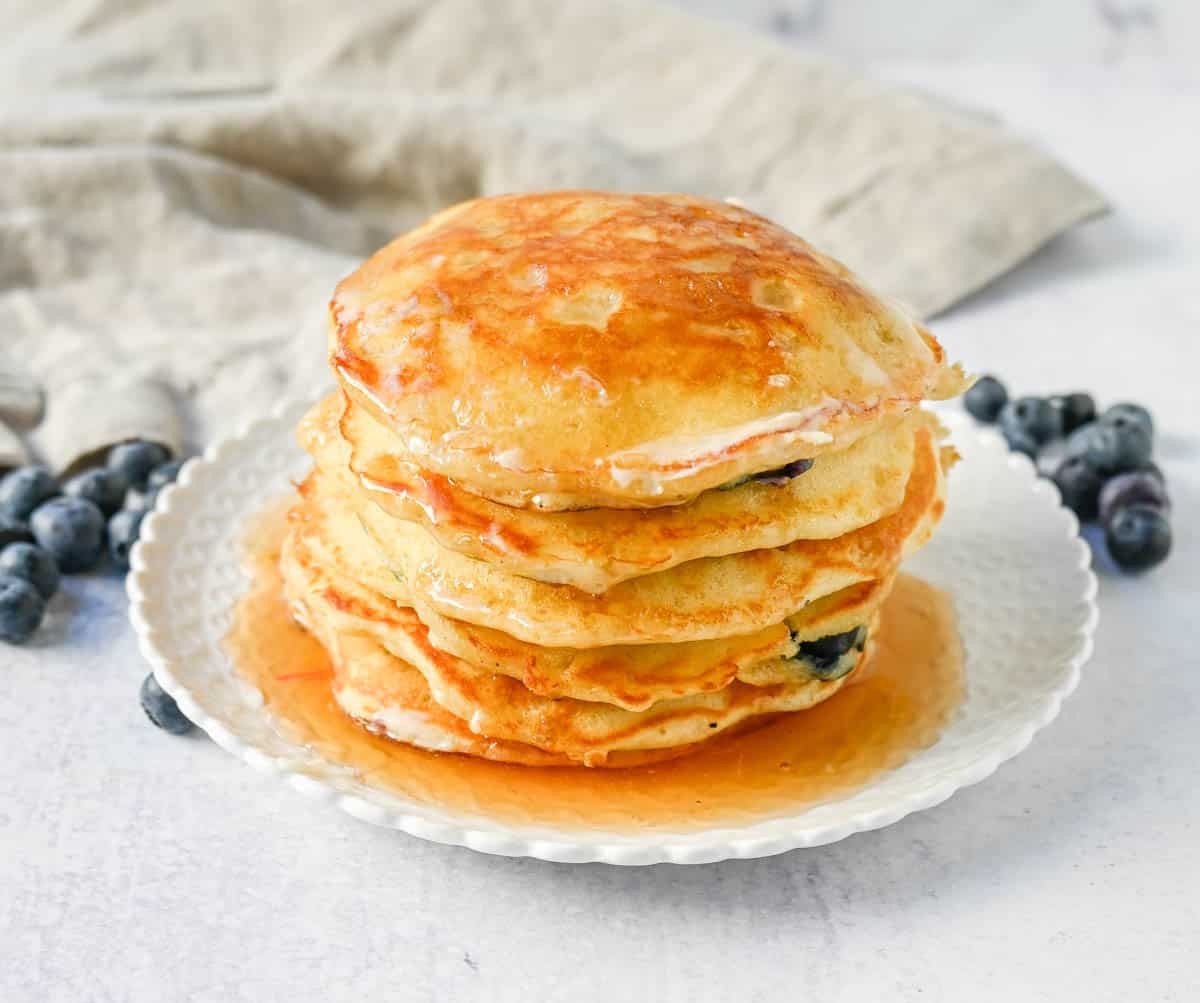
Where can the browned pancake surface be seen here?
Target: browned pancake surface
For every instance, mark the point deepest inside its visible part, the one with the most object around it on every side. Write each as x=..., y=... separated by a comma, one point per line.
x=570, y=349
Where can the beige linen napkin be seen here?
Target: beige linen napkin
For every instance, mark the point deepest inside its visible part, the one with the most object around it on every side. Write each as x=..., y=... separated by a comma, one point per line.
x=184, y=183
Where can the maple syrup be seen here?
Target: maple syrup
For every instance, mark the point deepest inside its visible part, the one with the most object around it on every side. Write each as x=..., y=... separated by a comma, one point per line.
x=896, y=707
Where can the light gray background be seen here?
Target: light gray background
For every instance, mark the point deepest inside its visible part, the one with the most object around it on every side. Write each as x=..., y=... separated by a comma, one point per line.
x=138, y=867
x=1157, y=35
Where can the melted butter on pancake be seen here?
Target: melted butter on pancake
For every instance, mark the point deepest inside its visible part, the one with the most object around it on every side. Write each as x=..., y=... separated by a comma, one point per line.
x=652, y=464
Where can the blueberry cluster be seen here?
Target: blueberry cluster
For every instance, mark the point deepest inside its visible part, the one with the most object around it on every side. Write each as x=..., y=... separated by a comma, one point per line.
x=48, y=529
x=1101, y=463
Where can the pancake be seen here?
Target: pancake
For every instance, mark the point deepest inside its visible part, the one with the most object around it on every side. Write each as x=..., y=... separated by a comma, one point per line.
x=598, y=548
x=706, y=598
x=577, y=349
x=501, y=708
x=628, y=676
x=391, y=698
x=636, y=676
x=608, y=476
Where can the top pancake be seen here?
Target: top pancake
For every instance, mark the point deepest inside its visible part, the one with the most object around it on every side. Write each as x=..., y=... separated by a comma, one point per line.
x=578, y=349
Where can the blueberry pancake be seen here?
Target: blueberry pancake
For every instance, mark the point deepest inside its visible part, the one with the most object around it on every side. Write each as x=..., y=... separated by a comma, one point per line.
x=707, y=598
x=607, y=476
x=391, y=698
x=499, y=707
x=630, y=676
x=594, y=549
x=584, y=349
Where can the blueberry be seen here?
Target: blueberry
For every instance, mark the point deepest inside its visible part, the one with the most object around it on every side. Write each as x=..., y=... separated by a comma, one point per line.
x=825, y=657
x=1115, y=448
x=24, y=490
x=13, y=530
x=1051, y=456
x=781, y=475
x=985, y=399
x=1075, y=409
x=123, y=529
x=164, y=474
x=21, y=609
x=31, y=564
x=134, y=460
x=1138, y=487
x=102, y=485
x=1030, y=418
x=1138, y=537
x=1079, y=484
x=1076, y=442
x=1019, y=442
x=1153, y=470
x=141, y=500
x=777, y=476
x=1129, y=414
x=162, y=709
x=72, y=530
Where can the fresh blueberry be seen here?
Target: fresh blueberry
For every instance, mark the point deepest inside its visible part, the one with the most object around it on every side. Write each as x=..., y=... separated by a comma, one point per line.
x=1076, y=409
x=135, y=460
x=162, y=709
x=164, y=474
x=102, y=485
x=1154, y=471
x=1079, y=484
x=13, y=530
x=24, y=490
x=72, y=530
x=1118, y=447
x=1138, y=487
x=1129, y=414
x=1077, y=442
x=985, y=399
x=1030, y=418
x=825, y=657
x=141, y=500
x=21, y=609
x=32, y=564
x=1051, y=456
x=1020, y=442
x=123, y=529
x=1138, y=537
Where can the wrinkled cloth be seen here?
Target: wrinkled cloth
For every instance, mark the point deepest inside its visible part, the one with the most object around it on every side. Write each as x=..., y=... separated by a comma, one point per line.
x=183, y=184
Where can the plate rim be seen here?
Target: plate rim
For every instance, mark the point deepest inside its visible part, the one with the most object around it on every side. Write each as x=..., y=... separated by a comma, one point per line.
x=700, y=846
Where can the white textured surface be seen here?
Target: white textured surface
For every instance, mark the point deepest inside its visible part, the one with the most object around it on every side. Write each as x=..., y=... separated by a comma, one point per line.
x=134, y=867
x=1007, y=551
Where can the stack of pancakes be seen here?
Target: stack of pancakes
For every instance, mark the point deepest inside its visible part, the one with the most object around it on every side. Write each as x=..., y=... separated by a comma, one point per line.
x=607, y=476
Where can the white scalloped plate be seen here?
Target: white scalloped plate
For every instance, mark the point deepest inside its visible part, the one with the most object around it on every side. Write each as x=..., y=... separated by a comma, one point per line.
x=1007, y=551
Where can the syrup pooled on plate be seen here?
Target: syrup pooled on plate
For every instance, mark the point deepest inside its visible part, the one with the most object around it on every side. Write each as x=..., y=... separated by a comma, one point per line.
x=897, y=706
